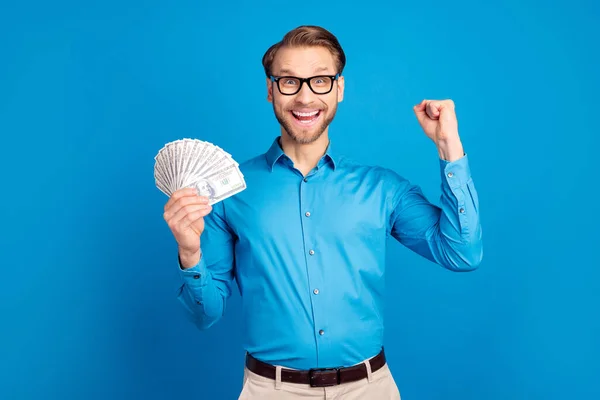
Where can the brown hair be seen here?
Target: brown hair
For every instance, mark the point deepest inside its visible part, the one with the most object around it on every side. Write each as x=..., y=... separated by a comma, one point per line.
x=304, y=36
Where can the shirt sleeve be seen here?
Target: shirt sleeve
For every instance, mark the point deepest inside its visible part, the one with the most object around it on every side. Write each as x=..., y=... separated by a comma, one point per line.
x=207, y=285
x=450, y=234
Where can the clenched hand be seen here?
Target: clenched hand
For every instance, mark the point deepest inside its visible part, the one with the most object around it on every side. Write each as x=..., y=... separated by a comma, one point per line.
x=184, y=214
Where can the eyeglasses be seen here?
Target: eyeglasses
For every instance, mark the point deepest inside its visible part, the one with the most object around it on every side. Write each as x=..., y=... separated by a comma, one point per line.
x=290, y=85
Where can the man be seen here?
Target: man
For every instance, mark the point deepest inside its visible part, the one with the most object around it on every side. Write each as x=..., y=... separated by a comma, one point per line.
x=306, y=240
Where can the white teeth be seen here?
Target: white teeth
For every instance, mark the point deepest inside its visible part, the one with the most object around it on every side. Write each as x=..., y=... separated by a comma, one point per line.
x=301, y=114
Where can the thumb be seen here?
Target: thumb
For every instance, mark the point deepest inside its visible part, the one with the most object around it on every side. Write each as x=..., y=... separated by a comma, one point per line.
x=420, y=112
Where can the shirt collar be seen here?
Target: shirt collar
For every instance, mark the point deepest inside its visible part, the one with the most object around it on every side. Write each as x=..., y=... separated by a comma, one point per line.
x=275, y=152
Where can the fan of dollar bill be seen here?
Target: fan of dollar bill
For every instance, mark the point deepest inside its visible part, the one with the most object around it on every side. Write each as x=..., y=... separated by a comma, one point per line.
x=197, y=164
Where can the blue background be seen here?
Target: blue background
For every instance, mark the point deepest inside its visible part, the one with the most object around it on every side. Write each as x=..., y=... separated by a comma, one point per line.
x=89, y=91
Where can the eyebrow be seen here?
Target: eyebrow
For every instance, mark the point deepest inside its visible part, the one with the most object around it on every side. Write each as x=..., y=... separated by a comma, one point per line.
x=290, y=72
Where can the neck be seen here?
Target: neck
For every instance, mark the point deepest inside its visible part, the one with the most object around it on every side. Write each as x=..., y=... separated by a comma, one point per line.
x=305, y=156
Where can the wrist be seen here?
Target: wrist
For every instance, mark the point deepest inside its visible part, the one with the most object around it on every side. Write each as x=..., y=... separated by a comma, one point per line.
x=450, y=150
x=189, y=258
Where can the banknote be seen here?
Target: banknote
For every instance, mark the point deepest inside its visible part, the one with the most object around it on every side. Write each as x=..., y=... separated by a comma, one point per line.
x=219, y=185
x=196, y=163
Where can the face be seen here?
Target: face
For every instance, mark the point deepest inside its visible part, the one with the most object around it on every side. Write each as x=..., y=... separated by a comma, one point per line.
x=304, y=116
x=203, y=188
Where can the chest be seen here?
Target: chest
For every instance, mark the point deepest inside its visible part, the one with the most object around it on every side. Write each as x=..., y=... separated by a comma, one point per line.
x=290, y=209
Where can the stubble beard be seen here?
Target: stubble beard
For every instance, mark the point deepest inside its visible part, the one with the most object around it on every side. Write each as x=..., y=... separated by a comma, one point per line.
x=300, y=135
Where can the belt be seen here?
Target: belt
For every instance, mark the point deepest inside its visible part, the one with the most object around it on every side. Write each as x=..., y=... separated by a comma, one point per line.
x=317, y=377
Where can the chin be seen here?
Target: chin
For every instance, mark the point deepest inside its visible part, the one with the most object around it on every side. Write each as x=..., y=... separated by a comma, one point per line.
x=303, y=135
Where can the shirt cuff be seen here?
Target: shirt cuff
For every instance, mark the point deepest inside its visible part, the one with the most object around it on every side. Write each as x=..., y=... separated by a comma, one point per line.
x=456, y=173
x=195, y=276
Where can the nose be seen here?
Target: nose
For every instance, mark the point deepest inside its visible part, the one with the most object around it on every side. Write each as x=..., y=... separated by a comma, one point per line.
x=305, y=95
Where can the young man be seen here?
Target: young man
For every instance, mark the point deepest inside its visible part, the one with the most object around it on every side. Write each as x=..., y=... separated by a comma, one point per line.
x=306, y=240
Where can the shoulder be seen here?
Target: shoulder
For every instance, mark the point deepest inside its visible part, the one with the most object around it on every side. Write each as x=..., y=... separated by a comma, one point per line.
x=255, y=163
x=390, y=179
x=253, y=171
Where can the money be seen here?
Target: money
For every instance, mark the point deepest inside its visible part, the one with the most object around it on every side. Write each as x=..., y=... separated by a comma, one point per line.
x=199, y=164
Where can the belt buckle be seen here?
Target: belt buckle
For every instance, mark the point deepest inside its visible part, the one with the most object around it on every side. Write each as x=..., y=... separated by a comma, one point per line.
x=322, y=377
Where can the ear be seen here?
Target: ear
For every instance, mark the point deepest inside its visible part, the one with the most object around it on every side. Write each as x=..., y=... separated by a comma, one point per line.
x=340, y=91
x=269, y=90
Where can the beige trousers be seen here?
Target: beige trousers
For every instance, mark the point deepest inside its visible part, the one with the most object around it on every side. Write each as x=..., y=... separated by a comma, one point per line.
x=379, y=385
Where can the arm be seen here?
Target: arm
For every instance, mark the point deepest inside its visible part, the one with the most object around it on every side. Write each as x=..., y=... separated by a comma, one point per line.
x=207, y=285
x=449, y=235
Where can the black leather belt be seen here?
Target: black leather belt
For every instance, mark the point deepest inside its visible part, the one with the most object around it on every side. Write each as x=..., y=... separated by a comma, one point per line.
x=317, y=377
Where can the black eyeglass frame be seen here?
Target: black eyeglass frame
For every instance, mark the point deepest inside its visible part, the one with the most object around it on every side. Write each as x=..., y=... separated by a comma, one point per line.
x=276, y=79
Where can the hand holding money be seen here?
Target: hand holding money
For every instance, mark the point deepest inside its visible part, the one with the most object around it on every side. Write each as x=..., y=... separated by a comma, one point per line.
x=184, y=214
x=195, y=175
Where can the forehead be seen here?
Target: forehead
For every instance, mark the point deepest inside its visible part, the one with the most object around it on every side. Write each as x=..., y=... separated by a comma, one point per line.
x=303, y=61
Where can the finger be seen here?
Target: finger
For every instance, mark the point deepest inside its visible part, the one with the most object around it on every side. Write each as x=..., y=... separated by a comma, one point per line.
x=447, y=105
x=192, y=218
x=448, y=111
x=419, y=110
x=186, y=200
x=181, y=204
x=178, y=194
x=433, y=109
x=184, y=211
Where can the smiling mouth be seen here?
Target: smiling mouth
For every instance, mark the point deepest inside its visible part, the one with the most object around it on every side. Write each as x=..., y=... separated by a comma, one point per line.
x=306, y=118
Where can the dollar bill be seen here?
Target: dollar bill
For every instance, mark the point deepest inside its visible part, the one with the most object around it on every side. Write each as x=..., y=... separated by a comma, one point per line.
x=195, y=163
x=220, y=185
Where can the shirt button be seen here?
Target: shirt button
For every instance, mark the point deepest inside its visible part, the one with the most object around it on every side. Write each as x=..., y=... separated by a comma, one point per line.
x=321, y=332
x=316, y=291
x=305, y=179
x=307, y=214
x=450, y=174
x=196, y=276
x=462, y=210
x=311, y=252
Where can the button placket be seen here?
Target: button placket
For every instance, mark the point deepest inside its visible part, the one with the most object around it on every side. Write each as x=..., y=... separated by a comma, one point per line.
x=313, y=260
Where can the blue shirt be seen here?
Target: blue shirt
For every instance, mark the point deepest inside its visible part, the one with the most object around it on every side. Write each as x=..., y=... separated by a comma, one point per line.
x=308, y=253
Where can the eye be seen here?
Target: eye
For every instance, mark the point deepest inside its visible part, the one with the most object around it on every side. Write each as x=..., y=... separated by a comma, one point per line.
x=321, y=81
